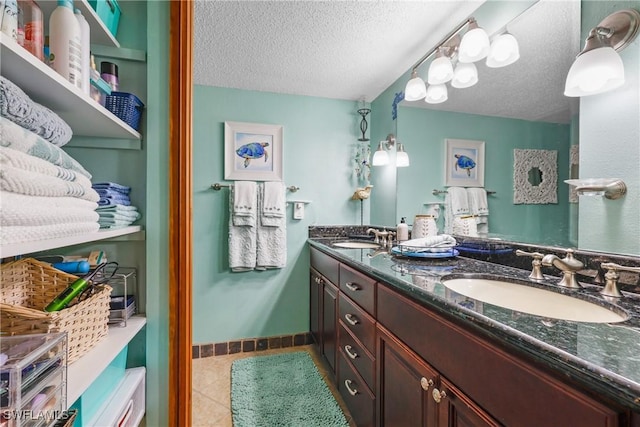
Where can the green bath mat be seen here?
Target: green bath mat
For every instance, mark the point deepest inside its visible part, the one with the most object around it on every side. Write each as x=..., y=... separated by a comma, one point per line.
x=282, y=390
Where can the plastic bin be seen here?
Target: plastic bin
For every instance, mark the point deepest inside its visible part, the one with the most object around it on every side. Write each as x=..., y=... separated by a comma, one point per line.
x=127, y=107
x=109, y=13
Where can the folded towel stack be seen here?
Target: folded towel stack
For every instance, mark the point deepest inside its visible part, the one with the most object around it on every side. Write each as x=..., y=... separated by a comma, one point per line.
x=115, y=208
x=16, y=106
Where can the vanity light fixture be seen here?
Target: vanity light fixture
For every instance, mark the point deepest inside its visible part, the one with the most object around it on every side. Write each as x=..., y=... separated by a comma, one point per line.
x=599, y=68
x=436, y=94
x=441, y=68
x=415, y=89
x=402, y=158
x=611, y=188
x=504, y=51
x=475, y=44
x=465, y=75
x=381, y=157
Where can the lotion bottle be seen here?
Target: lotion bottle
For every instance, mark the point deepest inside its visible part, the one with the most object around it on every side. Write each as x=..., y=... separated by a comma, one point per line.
x=85, y=33
x=65, y=43
x=402, y=230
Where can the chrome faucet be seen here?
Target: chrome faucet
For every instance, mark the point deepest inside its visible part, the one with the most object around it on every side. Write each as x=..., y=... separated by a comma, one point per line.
x=383, y=238
x=611, y=286
x=568, y=265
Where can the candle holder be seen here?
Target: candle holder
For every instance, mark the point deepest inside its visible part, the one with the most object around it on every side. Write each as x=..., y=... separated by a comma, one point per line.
x=363, y=123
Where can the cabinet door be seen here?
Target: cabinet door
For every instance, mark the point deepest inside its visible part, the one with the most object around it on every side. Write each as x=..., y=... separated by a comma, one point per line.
x=404, y=386
x=457, y=410
x=315, y=307
x=329, y=325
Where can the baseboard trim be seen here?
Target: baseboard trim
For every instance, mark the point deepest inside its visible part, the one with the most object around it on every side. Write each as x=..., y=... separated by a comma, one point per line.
x=249, y=345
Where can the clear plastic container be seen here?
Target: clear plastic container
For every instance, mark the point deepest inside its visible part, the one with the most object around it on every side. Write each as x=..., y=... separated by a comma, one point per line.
x=30, y=28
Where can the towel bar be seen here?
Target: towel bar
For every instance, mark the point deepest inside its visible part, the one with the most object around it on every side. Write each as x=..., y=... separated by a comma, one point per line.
x=217, y=186
x=436, y=192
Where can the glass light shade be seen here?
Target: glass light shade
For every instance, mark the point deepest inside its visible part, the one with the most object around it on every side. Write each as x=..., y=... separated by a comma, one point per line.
x=504, y=51
x=415, y=89
x=380, y=157
x=465, y=75
x=440, y=71
x=436, y=94
x=596, y=71
x=474, y=45
x=402, y=158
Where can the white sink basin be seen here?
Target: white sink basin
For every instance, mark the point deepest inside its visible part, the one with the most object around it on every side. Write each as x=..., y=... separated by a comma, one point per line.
x=527, y=299
x=356, y=245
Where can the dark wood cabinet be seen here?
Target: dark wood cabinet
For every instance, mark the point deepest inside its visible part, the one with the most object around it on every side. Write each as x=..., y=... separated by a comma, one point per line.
x=329, y=323
x=316, y=289
x=455, y=409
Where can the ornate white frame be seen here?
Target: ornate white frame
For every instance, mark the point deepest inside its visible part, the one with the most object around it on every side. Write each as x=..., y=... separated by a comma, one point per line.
x=574, y=159
x=544, y=193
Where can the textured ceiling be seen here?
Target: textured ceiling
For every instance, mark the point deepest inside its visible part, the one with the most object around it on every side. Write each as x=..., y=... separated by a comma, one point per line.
x=355, y=49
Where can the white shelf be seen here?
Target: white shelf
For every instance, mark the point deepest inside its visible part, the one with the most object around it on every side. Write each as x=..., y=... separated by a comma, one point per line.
x=84, y=371
x=85, y=116
x=44, y=245
x=99, y=32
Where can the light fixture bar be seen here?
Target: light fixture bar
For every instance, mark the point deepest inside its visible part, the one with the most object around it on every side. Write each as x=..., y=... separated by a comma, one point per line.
x=442, y=42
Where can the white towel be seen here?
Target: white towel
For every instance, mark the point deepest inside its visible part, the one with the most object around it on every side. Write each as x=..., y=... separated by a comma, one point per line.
x=271, y=232
x=439, y=241
x=273, y=204
x=8, y=199
x=36, y=184
x=27, y=162
x=244, y=201
x=456, y=204
x=242, y=231
x=30, y=233
x=479, y=208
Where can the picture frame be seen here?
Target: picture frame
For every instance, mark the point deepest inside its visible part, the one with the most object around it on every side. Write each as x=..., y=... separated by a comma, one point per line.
x=464, y=163
x=252, y=151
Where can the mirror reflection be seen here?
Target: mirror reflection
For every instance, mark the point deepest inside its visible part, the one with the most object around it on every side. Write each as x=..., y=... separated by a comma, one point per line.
x=519, y=106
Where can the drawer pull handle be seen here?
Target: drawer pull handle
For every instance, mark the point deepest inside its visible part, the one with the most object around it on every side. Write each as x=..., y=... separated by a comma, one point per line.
x=425, y=383
x=438, y=395
x=347, y=349
x=347, y=384
x=351, y=319
x=352, y=286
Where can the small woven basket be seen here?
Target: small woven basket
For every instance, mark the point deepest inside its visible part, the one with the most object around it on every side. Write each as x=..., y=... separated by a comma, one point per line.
x=28, y=285
x=126, y=106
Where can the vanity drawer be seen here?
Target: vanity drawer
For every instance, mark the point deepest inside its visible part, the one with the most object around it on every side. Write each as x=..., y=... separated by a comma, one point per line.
x=361, y=359
x=325, y=265
x=359, y=399
x=358, y=322
x=360, y=288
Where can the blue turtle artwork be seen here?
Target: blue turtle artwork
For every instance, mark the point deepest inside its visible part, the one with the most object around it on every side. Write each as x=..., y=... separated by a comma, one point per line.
x=464, y=162
x=253, y=150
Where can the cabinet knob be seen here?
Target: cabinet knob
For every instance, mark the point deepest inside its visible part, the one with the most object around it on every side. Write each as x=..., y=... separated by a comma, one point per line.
x=352, y=286
x=352, y=391
x=438, y=395
x=351, y=319
x=425, y=383
x=347, y=349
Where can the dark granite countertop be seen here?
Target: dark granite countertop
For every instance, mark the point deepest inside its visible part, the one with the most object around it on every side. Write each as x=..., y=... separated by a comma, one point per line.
x=602, y=357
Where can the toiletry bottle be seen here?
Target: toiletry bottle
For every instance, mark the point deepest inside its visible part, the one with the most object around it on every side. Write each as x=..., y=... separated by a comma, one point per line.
x=85, y=33
x=32, y=27
x=109, y=73
x=402, y=230
x=10, y=18
x=65, y=43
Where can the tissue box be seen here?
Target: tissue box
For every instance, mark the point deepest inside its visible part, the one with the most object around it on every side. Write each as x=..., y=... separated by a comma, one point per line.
x=109, y=12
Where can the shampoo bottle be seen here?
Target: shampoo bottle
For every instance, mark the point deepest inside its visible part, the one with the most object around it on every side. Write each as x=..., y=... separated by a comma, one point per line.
x=85, y=33
x=65, y=43
x=402, y=230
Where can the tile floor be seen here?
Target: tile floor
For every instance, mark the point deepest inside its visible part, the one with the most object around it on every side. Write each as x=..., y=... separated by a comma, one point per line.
x=211, y=398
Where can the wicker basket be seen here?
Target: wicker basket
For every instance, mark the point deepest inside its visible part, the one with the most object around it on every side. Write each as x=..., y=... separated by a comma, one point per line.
x=28, y=285
x=126, y=106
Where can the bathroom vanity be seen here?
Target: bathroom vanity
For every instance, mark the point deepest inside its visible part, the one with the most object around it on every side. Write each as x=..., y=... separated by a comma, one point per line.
x=405, y=350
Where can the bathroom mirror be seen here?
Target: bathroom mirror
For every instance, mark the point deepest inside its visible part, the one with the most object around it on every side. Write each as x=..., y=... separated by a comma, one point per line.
x=518, y=107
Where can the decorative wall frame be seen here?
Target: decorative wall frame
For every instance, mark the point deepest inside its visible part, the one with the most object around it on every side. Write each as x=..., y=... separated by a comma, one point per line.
x=574, y=164
x=463, y=163
x=252, y=152
x=535, y=177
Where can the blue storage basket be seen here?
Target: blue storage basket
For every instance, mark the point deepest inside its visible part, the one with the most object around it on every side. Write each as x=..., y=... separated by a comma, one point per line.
x=126, y=106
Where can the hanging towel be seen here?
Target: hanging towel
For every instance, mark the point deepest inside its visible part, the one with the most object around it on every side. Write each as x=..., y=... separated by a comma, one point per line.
x=271, y=230
x=18, y=138
x=456, y=204
x=479, y=208
x=242, y=226
x=244, y=201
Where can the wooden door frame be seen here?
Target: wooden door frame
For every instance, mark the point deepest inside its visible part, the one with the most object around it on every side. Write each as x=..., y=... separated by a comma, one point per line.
x=180, y=203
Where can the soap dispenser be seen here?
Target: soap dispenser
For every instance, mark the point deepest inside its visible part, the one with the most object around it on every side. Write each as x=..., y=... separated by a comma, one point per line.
x=402, y=230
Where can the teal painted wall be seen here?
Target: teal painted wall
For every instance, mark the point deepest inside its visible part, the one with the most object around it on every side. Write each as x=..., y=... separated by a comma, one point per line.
x=319, y=139
x=423, y=132
x=610, y=148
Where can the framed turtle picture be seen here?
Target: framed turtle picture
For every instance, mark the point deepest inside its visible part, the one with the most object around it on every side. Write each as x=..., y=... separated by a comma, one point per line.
x=252, y=151
x=464, y=163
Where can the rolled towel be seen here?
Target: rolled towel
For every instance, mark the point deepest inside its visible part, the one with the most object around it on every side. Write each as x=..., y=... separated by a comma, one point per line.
x=18, y=138
x=16, y=106
x=439, y=241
